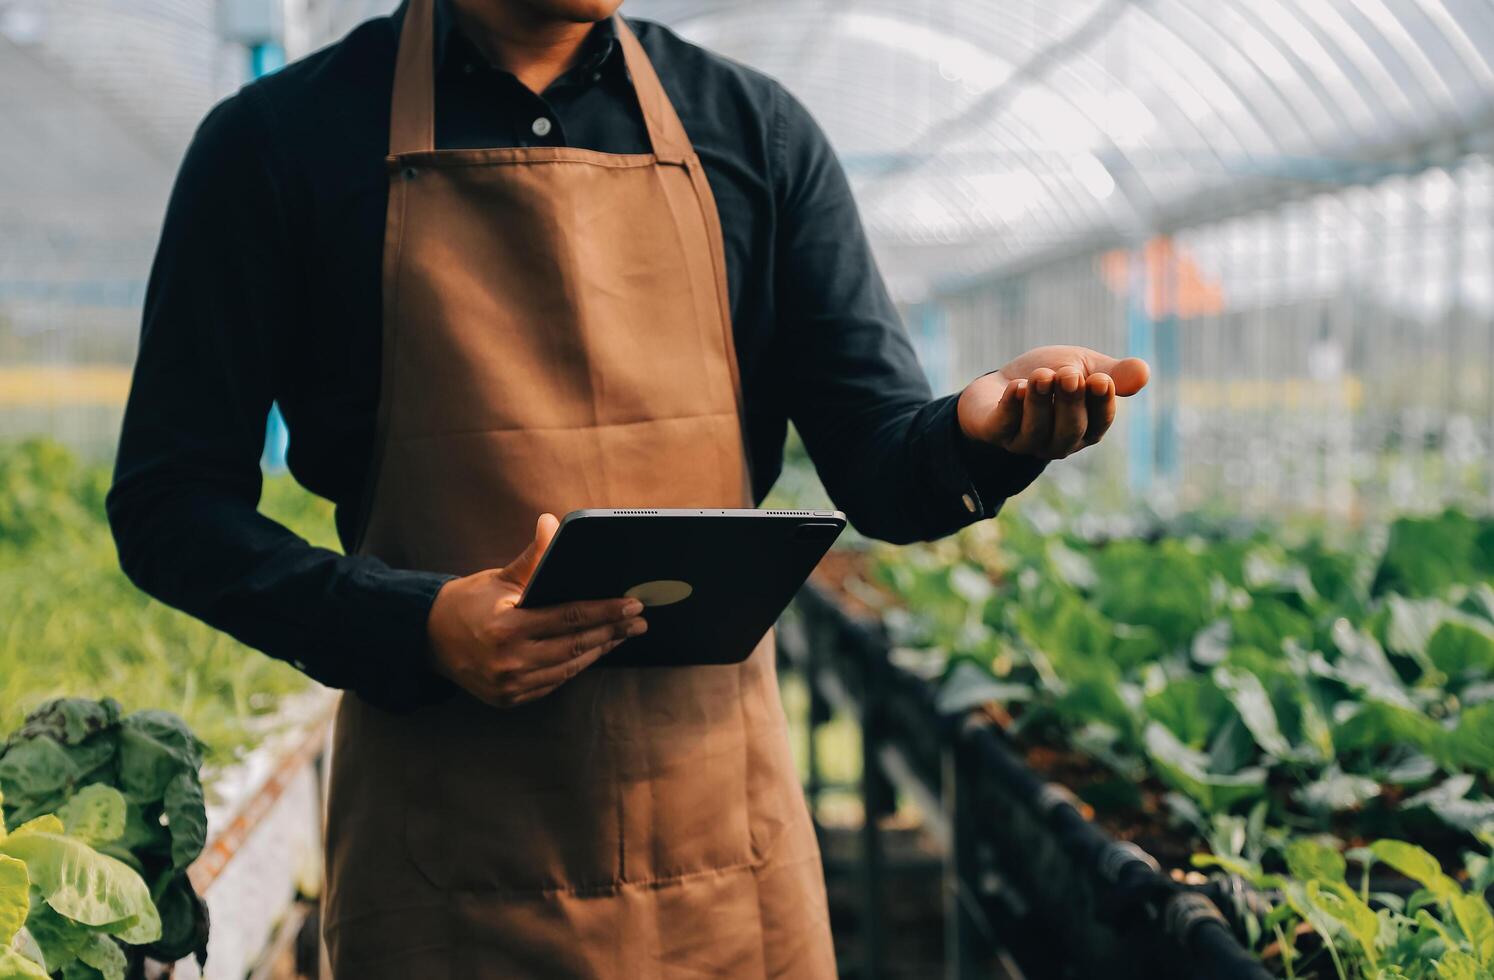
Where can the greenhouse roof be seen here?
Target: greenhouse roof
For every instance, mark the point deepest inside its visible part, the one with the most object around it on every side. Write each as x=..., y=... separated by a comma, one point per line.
x=97, y=101
x=83, y=195
x=63, y=151
x=978, y=133
x=986, y=132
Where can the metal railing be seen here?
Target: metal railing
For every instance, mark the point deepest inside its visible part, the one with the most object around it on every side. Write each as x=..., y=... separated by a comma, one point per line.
x=1028, y=880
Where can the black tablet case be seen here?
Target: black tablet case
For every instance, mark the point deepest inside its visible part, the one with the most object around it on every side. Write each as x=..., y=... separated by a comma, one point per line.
x=744, y=567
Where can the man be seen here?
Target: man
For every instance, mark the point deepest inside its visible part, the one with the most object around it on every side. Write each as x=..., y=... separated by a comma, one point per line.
x=498, y=259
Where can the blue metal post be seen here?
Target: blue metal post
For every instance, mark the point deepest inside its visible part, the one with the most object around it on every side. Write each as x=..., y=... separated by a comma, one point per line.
x=930, y=336
x=264, y=59
x=1140, y=341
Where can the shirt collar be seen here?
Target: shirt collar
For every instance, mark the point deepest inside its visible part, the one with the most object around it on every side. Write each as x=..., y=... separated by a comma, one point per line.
x=600, y=48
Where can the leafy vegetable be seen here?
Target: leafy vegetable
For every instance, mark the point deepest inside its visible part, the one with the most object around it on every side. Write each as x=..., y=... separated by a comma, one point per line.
x=1426, y=555
x=1223, y=664
x=15, y=966
x=1188, y=771
x=61, y=900
x=15, y=886
x=96, y=814
x=1460, y=650
x=1321, y=683
x=1448, y=934
x=128, y=785
x=83, y=885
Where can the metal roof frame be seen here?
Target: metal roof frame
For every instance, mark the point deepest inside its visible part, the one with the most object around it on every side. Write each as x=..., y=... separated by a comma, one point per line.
x=1292, y=95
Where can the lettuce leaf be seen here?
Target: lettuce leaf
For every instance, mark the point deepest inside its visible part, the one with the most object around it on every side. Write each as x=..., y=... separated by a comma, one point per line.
x=86, y=886
x=14, y=966
x=15, y=897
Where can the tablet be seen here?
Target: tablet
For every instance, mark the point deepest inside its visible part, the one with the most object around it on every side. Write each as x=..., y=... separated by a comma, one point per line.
x=712, y=582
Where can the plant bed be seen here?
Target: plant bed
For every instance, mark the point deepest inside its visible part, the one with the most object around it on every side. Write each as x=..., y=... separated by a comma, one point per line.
x=1228, y=689
x=1067, y=900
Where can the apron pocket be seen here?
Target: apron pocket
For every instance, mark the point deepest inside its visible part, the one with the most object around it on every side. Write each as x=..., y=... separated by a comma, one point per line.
x=518, y=801
x=684, y=770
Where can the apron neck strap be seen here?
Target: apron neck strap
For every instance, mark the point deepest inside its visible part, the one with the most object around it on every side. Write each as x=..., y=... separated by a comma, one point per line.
x=665, y=131
x=412, y=120
x=412, y=114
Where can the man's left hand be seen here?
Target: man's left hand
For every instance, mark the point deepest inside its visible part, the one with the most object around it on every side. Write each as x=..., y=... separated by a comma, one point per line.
x=1051, y=402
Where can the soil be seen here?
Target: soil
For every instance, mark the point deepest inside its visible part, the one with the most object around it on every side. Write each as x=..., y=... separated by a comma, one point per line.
x=1123, y=809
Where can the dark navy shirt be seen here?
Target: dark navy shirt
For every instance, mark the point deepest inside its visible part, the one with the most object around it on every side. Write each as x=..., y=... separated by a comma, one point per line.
x=266, y=287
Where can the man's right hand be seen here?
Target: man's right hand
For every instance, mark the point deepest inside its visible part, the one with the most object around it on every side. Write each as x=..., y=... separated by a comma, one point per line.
x=482, y=642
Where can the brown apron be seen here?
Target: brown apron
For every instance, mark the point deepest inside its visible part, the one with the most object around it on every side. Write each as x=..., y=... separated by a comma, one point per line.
x=556, y=336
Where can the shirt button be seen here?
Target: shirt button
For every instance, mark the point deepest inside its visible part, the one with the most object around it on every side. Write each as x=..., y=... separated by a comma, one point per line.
x=968, y=501
x=541, y=126
x=469, y=68
x=298, y=665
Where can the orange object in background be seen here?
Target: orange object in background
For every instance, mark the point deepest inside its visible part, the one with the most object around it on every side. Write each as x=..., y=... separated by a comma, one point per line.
x=1174, y=283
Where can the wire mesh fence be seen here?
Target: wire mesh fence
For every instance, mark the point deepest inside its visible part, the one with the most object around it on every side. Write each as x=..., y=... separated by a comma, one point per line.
x=1332, y=351
x=98, y=99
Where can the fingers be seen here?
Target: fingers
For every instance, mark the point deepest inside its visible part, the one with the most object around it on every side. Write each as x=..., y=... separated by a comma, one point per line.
x=1036, y=430
x=1005, y=419
x=1069, y=414
x=1057, y=414
x=1100, y=407
x=575, y=617
x=521, y=569
x=559, y=649
x=580, y=656
x=565, y=659
x=1130, y=375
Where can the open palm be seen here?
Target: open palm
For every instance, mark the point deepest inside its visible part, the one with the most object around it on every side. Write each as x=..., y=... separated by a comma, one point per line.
x=1051, y=401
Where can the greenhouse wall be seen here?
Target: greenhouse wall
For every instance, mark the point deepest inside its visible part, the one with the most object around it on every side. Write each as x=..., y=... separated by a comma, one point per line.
x=98, y=102
x=1330, y=351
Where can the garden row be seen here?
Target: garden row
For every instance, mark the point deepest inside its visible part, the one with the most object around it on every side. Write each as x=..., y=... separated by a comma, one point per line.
x=1294, y=705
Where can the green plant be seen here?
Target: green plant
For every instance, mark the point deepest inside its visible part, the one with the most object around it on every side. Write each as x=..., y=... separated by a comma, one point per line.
x=1427, y=555
x=1233, y=666
x=1438, y=932
x=135, y=774
x=63, y=903
x=74, y=625
x=1258, y=685
x=48, y=494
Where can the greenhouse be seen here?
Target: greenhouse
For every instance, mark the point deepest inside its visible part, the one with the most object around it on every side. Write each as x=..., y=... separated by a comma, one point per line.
x=1213, y=697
